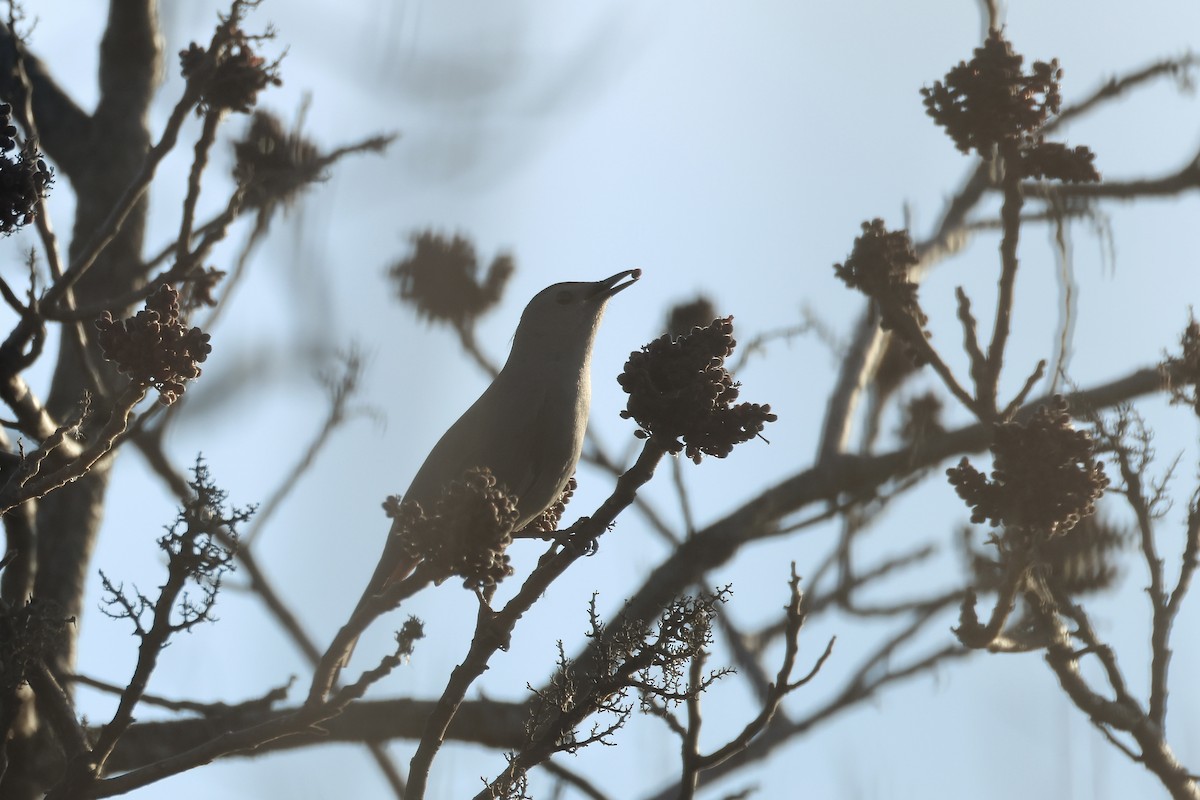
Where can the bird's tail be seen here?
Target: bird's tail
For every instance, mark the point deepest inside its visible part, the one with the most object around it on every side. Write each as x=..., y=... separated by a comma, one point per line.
x=389, y=571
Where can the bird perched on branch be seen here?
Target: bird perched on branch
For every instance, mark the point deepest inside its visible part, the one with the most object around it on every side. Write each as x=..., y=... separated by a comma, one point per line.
x=527, y=427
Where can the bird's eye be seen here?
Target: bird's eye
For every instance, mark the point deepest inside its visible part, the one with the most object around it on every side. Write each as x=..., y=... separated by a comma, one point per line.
x=564, y=297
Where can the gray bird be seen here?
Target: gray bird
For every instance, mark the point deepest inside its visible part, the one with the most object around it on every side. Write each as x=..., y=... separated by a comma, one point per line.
x=528, y=426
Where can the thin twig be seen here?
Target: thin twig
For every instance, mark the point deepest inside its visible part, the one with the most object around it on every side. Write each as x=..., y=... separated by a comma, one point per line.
x=575, y=780
x=341, y=390
x=208, y=135
x=133, y=193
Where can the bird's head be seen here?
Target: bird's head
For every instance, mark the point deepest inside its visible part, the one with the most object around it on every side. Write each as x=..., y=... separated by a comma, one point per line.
x=562, y=319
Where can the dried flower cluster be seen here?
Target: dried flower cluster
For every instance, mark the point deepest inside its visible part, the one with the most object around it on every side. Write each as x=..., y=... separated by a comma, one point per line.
x=229, y=74
x=155, y=348
x=878, y=266
x=24, y=177
x=1183, y=371
x=548, y=520
x=681, y=395
x=440, y=278
x=273, y=163
x=685, y=316
x=989, y=102
x=1085, y=562
x=920, y=418
x=1045, y=476
x=466, y=532
x=1056, y=161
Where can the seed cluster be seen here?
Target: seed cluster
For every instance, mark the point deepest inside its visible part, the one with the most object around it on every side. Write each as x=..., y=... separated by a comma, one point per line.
x=466, y=532
x=154, y=347
x=681, y=395
x=440, y=277
x=1086, y=562
x=229, y=73
x=683, y=317
x=878, y=266
x=921, y=418
x=1056, y=161
x=24, y=176
x=548, y=521
x=1045, y=476
x=274, y=164
x=989, y=102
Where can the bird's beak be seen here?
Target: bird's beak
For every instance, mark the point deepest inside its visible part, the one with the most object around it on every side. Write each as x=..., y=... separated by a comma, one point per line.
x=610, y=286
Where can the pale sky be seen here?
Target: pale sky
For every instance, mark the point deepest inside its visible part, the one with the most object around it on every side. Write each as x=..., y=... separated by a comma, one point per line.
x=727, y=148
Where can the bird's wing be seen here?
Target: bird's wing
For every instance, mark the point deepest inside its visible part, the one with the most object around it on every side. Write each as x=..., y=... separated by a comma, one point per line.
x=488, y=434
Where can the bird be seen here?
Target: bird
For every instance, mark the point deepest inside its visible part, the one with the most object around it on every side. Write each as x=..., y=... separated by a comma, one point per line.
x=528, y=426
